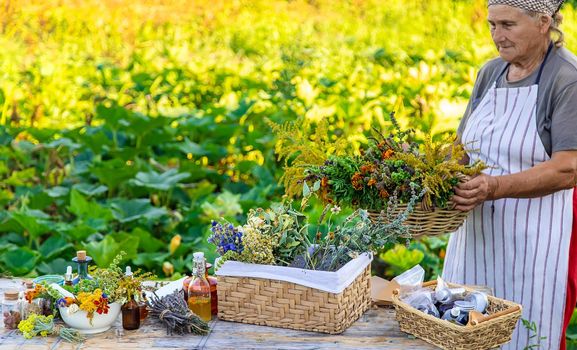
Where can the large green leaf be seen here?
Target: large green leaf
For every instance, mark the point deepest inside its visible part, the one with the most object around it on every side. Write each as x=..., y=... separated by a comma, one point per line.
x=21, y=177
x=148, y=243
x=151, y=260
x=35, y=222
x=103, y=252
x=401, y=259
x=113, y=173
x=80, y=229
x=53, y=246
x=225, y=205
x=163, y=182
x=189, y=147
x=57, y=191
x=63, y=142
x=20, y=261
x=54, y=267
x=114, y=116
x=135, y=209
x=85, y=209
x=90, y=190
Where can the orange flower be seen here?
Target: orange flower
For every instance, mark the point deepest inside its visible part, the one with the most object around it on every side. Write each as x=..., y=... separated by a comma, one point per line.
x=367, y=168
x=324, y=181
x=371, y=182
x=357, y=181
x=384, y=194
x=32, y=294
x=388, y=154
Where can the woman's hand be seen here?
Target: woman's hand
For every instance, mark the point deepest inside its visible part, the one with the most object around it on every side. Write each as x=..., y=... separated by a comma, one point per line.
x=474, y=192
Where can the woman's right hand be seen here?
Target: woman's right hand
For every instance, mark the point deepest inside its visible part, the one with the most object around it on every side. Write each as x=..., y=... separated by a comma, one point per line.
x=474, y=192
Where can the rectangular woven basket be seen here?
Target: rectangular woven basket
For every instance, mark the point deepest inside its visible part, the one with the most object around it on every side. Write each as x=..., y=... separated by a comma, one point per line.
x=283, y=304
x=496, y=329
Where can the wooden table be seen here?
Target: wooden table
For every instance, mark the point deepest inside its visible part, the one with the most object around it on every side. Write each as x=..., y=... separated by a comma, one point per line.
x=376, y=329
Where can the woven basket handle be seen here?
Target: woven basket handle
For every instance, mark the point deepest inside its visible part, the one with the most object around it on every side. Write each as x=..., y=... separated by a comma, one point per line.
x=397, y=291
x=495, y=315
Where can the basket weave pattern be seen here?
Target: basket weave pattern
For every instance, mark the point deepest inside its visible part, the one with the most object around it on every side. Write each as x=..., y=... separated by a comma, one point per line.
x=289, y=305
x=448, y=336
x=430, y=222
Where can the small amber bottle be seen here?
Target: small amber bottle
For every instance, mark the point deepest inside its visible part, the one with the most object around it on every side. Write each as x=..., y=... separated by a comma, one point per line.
x=143, y=307
x=130, y=309
x=130, y=315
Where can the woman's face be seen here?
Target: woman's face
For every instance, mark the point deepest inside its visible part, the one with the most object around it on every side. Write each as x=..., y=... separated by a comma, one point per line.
x=517, y=35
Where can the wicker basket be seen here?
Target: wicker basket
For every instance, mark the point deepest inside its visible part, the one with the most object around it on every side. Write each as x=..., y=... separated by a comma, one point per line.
x=426, y=221
x=491, y=331
x=288, y=305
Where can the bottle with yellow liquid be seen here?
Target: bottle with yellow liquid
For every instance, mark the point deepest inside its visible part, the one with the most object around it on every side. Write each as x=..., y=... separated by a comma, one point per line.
x=199, y=289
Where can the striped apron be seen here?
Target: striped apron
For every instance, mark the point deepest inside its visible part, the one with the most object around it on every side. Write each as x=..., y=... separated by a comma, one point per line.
x=517, y=246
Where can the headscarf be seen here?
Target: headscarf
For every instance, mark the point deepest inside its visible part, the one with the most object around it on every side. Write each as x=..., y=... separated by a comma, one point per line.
x=548, y=7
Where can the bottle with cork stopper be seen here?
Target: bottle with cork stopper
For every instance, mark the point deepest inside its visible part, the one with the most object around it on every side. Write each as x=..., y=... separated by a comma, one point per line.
x=199, y=289
x=11, y=309
x=82, y=260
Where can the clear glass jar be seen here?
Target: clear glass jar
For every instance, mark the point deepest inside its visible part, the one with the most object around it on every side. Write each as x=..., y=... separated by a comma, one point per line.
x=11, y=309
x=43, y=306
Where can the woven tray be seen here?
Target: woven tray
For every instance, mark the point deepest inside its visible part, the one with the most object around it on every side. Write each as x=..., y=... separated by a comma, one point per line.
x=288, y=305
x=491, y=331
x=425, y=221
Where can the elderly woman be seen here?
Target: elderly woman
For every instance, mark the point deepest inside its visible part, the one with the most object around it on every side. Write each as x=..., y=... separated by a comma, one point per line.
x=521, y=235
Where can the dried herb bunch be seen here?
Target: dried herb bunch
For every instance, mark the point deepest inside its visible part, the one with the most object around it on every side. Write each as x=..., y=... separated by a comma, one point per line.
x=393, y=163
x=303, y=143
x=288, y=241
x=174, y=313
x=270, y=236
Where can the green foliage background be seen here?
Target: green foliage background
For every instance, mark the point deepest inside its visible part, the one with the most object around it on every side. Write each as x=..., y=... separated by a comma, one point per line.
x=126, y=123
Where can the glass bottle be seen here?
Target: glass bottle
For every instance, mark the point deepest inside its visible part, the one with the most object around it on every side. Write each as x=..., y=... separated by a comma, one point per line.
x=82, y=261
x=130, y=315
x=452, y=315
x=68, y=276
x=465, y=307
x=213, y=290
x=130, y=309
x=23, y=306
x=43, y=306
x=199, y=289
x=143, y=307
x=11, y=312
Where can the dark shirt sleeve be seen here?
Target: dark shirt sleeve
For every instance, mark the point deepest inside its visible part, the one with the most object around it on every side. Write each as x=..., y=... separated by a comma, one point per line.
x=564, y=120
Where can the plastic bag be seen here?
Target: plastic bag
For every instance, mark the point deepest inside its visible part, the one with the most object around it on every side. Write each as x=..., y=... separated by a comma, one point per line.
x=410, y=280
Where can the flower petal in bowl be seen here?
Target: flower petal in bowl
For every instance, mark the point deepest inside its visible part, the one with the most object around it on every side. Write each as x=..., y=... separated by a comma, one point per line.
x=100, y=322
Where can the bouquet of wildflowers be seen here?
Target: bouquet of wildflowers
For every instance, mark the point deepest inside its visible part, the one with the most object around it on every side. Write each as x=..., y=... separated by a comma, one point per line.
x=272, y=236
x=391, y=166
x=279, y=236
x=44, y=325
